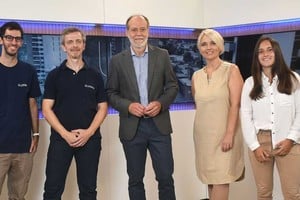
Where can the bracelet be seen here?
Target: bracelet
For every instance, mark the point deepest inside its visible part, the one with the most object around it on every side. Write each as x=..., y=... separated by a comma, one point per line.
x=35, y=134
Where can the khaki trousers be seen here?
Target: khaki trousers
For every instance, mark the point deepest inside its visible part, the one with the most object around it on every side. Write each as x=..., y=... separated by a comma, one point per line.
x=288, y=169
x=18, y=168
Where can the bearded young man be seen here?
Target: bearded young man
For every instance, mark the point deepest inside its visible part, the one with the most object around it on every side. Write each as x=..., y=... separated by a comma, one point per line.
x=19, y=123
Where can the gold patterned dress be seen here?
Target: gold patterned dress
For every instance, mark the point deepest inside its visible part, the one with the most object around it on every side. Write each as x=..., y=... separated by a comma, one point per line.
x=212, y=106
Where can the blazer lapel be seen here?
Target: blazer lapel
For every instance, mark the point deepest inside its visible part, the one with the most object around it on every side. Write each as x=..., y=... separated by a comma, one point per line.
x=130, y=71
x=151, y=65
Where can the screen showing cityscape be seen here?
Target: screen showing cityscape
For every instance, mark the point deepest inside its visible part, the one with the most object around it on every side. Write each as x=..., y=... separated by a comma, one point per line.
x=44, y=52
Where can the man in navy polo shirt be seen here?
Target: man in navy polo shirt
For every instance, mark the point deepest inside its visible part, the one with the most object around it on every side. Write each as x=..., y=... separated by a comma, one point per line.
x=19, y=128
x=75, y=106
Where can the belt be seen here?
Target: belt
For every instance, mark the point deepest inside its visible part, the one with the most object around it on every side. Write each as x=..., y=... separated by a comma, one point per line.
x=145, y=117
x=264, y=130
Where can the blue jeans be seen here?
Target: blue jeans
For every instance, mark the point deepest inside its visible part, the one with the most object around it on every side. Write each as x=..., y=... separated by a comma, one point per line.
x=59, y=158
x=160, y=148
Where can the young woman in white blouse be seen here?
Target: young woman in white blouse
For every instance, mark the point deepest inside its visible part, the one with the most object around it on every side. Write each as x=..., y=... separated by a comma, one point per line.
x=270, y=116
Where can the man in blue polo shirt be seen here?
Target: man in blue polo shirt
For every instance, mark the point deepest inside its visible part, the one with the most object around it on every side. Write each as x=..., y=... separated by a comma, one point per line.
x=19, y=128
x=75, y=106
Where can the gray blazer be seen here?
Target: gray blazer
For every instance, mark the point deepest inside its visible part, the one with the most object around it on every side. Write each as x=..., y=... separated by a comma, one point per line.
x=122, y=89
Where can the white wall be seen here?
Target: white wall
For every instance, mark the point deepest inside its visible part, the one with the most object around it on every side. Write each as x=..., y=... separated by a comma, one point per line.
x=218, y=13
x=54, y=10
x=168, y=13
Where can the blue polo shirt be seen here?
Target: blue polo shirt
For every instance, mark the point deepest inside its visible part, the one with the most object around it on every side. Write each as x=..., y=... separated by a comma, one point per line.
x=76, y=96
x=17, y=85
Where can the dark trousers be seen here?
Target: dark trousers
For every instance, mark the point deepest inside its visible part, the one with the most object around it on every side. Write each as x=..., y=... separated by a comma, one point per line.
x=59, y=158
x=160, y=148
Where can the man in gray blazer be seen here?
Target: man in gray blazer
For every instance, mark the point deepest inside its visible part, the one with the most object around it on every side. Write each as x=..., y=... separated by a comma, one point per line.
x=141, y=85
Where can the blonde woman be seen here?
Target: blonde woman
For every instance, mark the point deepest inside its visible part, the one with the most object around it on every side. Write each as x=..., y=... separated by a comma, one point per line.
x=218, y=139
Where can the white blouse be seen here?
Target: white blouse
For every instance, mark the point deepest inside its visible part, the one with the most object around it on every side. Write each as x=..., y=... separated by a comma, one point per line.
x=276, y=111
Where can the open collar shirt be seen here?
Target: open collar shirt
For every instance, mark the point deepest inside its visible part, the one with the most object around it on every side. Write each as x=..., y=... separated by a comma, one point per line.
x=275, y=111
x=141, y=71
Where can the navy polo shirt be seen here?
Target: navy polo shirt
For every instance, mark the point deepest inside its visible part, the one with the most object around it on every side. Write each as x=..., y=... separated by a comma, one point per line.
x=76, y=96
x=17, y=85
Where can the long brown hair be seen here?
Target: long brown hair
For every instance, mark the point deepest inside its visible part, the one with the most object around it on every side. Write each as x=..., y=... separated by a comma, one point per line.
x=286, y=78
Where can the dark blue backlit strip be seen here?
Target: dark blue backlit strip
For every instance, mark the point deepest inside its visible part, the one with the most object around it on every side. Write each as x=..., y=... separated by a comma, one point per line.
x=258, y=28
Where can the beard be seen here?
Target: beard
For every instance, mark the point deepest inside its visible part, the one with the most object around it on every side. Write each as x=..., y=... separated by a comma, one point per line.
x=138, y=45
x=9, y=53
x=75, y=54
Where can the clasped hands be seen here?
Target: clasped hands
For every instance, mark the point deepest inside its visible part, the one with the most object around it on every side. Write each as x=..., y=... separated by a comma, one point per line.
x=151, y=110
x=281, y=149
x=77, y=138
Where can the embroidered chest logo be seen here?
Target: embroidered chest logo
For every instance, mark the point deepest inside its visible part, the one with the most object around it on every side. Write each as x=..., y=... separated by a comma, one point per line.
x=89, y=86
x=21, y=85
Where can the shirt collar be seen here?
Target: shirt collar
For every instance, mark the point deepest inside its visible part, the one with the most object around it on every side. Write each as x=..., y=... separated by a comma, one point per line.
x=64, y=66
x=133, y=53
x=266, y=79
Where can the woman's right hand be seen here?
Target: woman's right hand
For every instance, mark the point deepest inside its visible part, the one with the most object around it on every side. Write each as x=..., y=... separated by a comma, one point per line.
x=261, y=155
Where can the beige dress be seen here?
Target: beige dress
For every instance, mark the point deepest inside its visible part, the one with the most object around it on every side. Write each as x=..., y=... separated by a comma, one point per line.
x=212, y=105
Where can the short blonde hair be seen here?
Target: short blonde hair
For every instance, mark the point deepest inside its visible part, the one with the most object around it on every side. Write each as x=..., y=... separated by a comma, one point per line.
x=214, y=36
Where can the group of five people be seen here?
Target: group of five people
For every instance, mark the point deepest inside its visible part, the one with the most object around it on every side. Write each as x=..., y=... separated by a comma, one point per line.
x=141, y=85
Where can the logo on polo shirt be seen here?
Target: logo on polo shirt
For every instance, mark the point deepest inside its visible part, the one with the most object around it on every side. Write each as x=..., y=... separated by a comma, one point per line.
x=22, y=85
x=89, y=86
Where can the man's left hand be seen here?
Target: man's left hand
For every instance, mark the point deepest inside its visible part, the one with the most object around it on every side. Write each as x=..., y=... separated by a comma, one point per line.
x=152, y=109
x=82, y=137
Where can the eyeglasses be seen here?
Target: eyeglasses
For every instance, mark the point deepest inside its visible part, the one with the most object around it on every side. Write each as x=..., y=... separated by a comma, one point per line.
x=10, y=38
